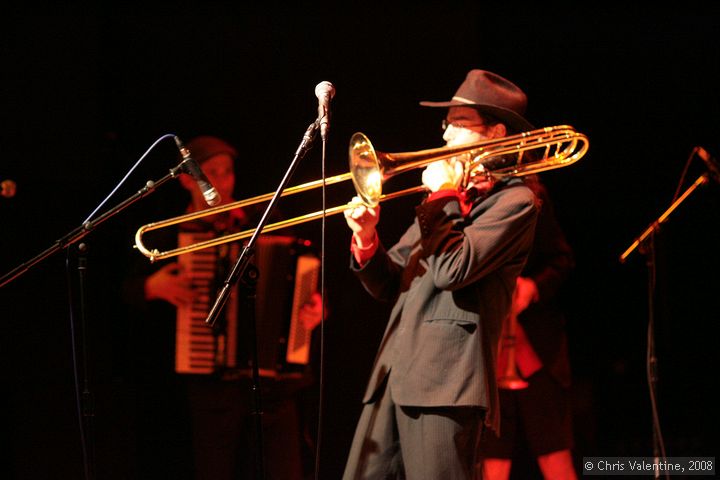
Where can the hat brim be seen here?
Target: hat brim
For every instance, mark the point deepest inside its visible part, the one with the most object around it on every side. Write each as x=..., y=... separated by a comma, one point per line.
x=507, y=116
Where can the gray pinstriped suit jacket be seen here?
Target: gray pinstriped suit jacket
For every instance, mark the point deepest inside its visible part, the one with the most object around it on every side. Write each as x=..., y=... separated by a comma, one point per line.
x=451, y=278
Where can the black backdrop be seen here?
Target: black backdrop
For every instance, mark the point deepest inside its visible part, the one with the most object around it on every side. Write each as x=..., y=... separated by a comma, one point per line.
x=86, y=91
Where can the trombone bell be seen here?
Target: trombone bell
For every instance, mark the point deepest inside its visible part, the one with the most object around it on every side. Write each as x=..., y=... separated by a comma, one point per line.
x=556, y=147
x=365, y=169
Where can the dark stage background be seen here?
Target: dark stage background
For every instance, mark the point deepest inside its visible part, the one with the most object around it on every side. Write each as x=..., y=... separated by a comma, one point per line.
x=85, y=92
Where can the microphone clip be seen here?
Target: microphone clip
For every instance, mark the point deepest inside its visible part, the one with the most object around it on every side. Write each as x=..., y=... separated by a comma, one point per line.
x=711, y=163
x=191, y=167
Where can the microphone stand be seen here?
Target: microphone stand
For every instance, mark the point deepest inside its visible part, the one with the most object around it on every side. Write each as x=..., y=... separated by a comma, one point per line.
x=646, y=242
x=250, y=278
x=80, y=232
x=86, y=399
x=86, y=402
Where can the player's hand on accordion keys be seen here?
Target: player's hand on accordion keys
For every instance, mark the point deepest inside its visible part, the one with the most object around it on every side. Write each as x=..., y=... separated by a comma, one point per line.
x=310, y=314
x=170, y=283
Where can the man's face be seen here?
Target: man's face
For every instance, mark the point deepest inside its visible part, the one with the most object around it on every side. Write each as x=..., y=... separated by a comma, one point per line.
x=464, y=125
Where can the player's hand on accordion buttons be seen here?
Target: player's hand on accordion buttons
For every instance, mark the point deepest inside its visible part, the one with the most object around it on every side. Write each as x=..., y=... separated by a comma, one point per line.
x=311, y=312
x=171, y=284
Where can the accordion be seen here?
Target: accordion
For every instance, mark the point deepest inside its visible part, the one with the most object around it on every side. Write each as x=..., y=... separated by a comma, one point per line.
x=288, y=276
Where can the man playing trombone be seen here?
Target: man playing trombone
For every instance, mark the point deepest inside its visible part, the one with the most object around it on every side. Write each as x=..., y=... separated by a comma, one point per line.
x=451, y=278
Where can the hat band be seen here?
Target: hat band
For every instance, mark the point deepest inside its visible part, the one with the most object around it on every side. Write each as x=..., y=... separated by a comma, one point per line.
x=464, y=100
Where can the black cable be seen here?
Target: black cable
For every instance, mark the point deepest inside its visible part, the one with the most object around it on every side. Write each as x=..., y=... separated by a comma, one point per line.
x=321, y=380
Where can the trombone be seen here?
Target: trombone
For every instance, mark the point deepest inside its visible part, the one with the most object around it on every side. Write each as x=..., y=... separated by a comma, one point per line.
x=548, y=148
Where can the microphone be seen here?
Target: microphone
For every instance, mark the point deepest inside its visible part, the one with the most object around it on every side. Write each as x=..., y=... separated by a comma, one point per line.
x=191, y=167
x=710, y=161
x=7, y=188
x=324, y=91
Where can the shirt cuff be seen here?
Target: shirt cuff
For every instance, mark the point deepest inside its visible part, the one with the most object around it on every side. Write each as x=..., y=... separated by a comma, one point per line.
x=363, y=254
x=446, y=192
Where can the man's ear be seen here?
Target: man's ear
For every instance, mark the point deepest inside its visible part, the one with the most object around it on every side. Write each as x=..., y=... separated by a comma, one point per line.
x=499, y=130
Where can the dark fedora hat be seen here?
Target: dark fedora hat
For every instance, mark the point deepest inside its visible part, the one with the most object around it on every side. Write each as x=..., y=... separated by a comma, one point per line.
x=492, y=94
x=204, y=147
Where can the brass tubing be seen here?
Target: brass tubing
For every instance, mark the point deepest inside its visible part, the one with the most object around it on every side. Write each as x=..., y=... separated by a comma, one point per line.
x=229, y=206
x=157, y=255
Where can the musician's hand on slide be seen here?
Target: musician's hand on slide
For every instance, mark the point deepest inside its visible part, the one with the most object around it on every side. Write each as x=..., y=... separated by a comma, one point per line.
x=362, y=220
x=443, y=174
x=526, y=292
x=310, y=313
x=171, y=284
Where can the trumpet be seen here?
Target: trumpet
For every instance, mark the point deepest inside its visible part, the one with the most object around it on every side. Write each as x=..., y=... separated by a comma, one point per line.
x=510, y=379
x=548, y=148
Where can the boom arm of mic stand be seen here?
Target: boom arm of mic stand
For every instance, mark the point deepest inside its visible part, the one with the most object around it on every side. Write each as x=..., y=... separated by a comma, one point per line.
x=242, y=262
x=84, y=229
x=702, y=179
